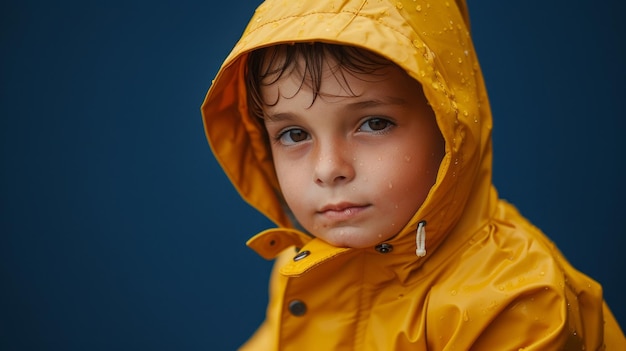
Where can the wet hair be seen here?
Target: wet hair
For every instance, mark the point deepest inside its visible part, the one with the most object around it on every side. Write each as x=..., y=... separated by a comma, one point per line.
x=267, y=65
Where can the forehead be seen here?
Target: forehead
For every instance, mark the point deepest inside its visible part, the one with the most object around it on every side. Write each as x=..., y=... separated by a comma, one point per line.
x=331, y=80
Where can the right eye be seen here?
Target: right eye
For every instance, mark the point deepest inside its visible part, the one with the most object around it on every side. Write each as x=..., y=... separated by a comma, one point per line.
x=292, y=136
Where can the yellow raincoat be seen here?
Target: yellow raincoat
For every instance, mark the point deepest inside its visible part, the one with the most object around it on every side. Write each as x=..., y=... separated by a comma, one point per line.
x=489, y=280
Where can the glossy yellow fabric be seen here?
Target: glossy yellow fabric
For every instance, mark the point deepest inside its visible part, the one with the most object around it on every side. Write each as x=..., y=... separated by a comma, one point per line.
x=489, y=280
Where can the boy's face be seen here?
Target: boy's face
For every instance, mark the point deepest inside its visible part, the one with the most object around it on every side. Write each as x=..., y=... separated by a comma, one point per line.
x=355, y=165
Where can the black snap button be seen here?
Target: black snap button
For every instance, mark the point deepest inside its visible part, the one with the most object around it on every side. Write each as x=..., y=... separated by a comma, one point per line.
x=301, y=255
x=384, y=248
x=297, y=308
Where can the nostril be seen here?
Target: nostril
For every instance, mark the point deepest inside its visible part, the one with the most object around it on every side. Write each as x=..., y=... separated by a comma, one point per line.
x=337, y=179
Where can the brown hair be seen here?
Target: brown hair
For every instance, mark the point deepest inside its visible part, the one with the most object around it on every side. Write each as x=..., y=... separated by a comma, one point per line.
x=267, y=65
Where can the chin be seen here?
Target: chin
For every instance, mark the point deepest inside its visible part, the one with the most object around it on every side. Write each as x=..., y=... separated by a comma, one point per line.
x=355, y=243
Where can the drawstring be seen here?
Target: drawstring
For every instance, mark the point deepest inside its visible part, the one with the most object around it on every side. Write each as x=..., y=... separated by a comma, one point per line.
x=420, y=239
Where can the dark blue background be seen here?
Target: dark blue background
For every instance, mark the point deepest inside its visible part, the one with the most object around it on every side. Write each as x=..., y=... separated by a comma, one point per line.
x=120, y=232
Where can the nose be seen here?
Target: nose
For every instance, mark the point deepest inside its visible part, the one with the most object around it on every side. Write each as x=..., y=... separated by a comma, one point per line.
x=334, y=165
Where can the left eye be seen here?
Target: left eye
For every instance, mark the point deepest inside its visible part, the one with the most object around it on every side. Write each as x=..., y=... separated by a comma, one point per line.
x=375, y=125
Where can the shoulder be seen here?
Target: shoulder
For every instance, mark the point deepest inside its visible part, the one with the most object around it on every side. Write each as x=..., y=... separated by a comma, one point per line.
x=510, y=286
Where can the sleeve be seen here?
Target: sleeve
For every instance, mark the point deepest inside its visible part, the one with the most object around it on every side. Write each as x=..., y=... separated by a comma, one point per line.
x=613, y=335
x=490, y=319
x=515, y=291
x=265, y=337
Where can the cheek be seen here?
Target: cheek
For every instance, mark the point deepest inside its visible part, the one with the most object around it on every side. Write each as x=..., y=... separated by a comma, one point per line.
x=290, y=179
x=415, y=172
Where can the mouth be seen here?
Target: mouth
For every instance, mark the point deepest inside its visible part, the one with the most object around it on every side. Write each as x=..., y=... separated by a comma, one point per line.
x=342, y=211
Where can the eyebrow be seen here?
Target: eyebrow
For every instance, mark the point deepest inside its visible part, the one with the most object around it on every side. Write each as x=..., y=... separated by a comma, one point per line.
x=387, y=100
x=362, y=104
x=277, y=117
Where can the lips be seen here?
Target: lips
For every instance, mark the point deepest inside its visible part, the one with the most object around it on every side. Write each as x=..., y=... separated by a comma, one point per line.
x=342, y=211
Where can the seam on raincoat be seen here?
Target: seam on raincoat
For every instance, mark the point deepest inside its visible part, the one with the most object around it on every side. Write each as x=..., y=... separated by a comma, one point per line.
x=353, y=13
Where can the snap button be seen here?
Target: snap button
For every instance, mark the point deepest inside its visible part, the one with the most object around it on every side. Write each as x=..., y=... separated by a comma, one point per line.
x=297, y=308
x=384, y=248
x=301, y=255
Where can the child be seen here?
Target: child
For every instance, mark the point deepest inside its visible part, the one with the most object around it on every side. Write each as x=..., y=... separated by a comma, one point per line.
x=363, y=130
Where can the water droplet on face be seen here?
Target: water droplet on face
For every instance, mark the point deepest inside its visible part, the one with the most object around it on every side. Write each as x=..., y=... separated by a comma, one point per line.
x=453, y=292
x=390, y=185
x=399, y=5
x=418, y=8
x=407, y=158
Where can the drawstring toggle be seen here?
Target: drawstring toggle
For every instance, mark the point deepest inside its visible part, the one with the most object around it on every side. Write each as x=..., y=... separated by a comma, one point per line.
x=420, y=239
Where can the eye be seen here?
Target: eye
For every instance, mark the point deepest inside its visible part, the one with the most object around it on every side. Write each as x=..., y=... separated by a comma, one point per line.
x=292, y=136
x=375, y=125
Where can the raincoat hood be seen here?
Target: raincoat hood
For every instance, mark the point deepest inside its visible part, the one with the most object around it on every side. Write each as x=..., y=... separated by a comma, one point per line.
x=407, y=33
